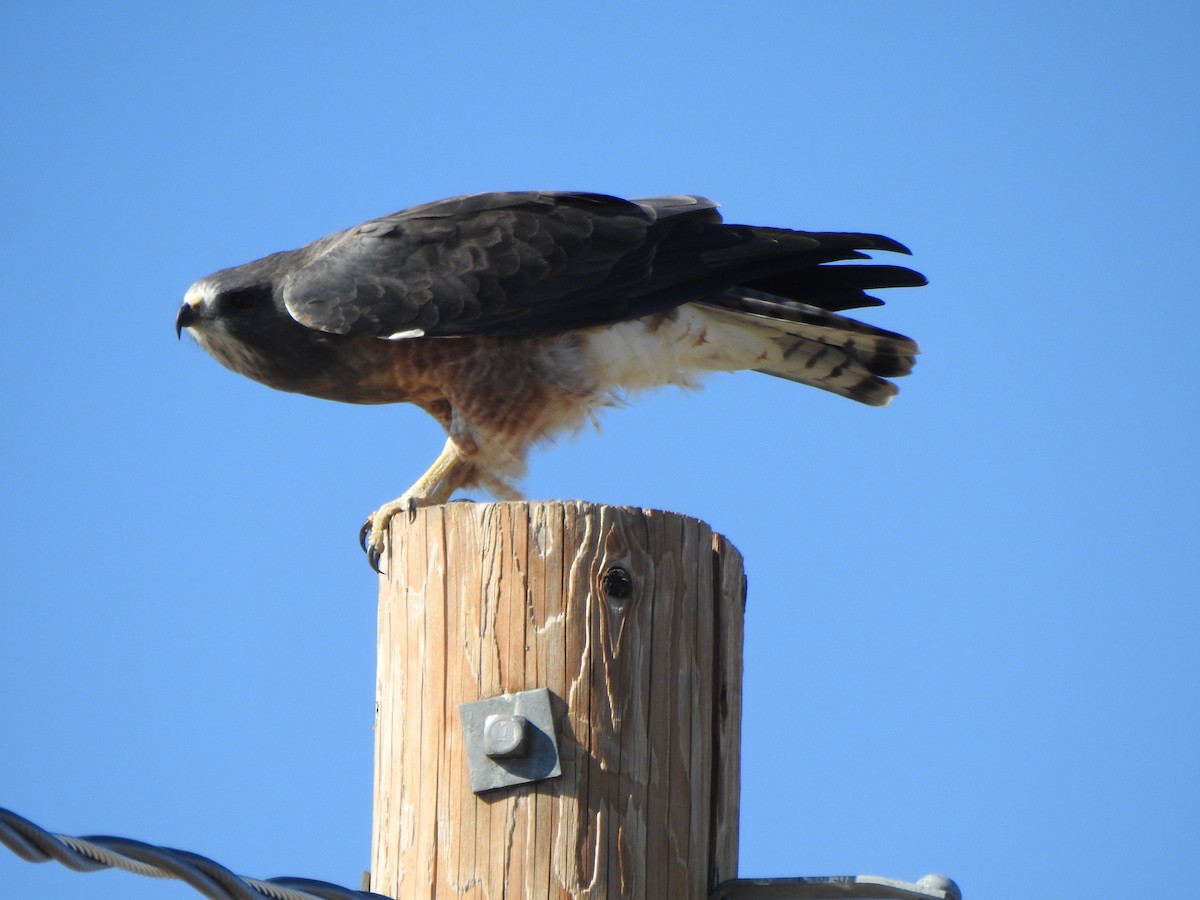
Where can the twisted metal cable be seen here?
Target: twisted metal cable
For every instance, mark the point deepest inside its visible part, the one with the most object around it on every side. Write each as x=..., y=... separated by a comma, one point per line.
x=89, y=854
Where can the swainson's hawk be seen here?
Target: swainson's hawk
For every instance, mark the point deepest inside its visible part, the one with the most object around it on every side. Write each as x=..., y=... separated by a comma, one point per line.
x=513, y=317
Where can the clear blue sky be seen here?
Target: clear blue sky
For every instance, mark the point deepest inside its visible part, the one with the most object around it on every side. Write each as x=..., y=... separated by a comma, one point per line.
x=972, y=628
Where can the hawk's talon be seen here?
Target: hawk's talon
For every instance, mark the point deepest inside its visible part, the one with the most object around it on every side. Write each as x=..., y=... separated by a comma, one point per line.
x=372, y=537
x=372, y=541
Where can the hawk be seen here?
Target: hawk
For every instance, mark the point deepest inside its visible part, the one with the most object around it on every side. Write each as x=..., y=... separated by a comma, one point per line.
x=514, y=317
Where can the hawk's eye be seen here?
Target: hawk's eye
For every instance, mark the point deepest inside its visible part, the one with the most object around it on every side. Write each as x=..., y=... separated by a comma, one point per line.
x=242, y=300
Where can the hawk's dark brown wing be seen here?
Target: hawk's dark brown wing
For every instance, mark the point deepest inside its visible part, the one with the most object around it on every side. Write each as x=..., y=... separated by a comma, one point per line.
x=494, y=263
x=535, y=262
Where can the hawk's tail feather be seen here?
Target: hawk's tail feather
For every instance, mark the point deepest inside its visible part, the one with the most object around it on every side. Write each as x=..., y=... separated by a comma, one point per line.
x=821, y=366
x=816, y=347
x=884, y=352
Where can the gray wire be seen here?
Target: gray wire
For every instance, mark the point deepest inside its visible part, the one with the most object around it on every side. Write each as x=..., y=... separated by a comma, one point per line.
x=95, y=852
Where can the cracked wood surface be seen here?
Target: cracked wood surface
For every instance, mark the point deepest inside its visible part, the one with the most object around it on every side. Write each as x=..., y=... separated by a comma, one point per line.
x=485, y=599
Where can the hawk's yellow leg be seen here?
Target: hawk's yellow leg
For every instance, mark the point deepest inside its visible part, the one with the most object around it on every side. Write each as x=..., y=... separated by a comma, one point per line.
x=447, y=474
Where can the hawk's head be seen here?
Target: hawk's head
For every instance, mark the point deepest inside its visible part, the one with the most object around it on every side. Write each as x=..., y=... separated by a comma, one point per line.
x=237, y=316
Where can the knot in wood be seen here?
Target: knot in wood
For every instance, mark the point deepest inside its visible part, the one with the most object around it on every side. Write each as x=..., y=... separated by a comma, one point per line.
x=617, y=583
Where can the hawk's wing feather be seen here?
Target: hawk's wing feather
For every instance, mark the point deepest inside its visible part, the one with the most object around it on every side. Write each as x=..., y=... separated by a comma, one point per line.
x=838, y=287
x=490, y=263
x=536, y=262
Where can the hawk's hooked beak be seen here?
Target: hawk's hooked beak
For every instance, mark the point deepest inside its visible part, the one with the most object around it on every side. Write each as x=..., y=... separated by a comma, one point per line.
x=187, y=317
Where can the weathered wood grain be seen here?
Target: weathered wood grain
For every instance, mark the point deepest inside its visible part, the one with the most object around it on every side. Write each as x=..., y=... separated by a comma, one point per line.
x=485, y=599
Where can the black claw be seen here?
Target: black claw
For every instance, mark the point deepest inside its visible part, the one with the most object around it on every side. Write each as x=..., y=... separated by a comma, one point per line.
x=373, y=555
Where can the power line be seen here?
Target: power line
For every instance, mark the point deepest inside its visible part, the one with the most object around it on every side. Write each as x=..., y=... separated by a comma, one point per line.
x=95, y=852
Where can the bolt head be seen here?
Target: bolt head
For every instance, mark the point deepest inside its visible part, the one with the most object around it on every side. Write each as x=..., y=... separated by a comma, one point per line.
x=505, y=737
x=940, y=883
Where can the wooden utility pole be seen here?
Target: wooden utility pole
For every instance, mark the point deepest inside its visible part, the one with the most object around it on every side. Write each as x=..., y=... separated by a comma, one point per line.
x=632, y=619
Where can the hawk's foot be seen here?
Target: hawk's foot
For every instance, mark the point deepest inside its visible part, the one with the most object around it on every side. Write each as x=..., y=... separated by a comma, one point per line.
x=447, y=473
x=372, y=537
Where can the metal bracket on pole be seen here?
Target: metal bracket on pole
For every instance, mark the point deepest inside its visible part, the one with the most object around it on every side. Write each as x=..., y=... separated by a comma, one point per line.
x=834, y=887
x=510, y=740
